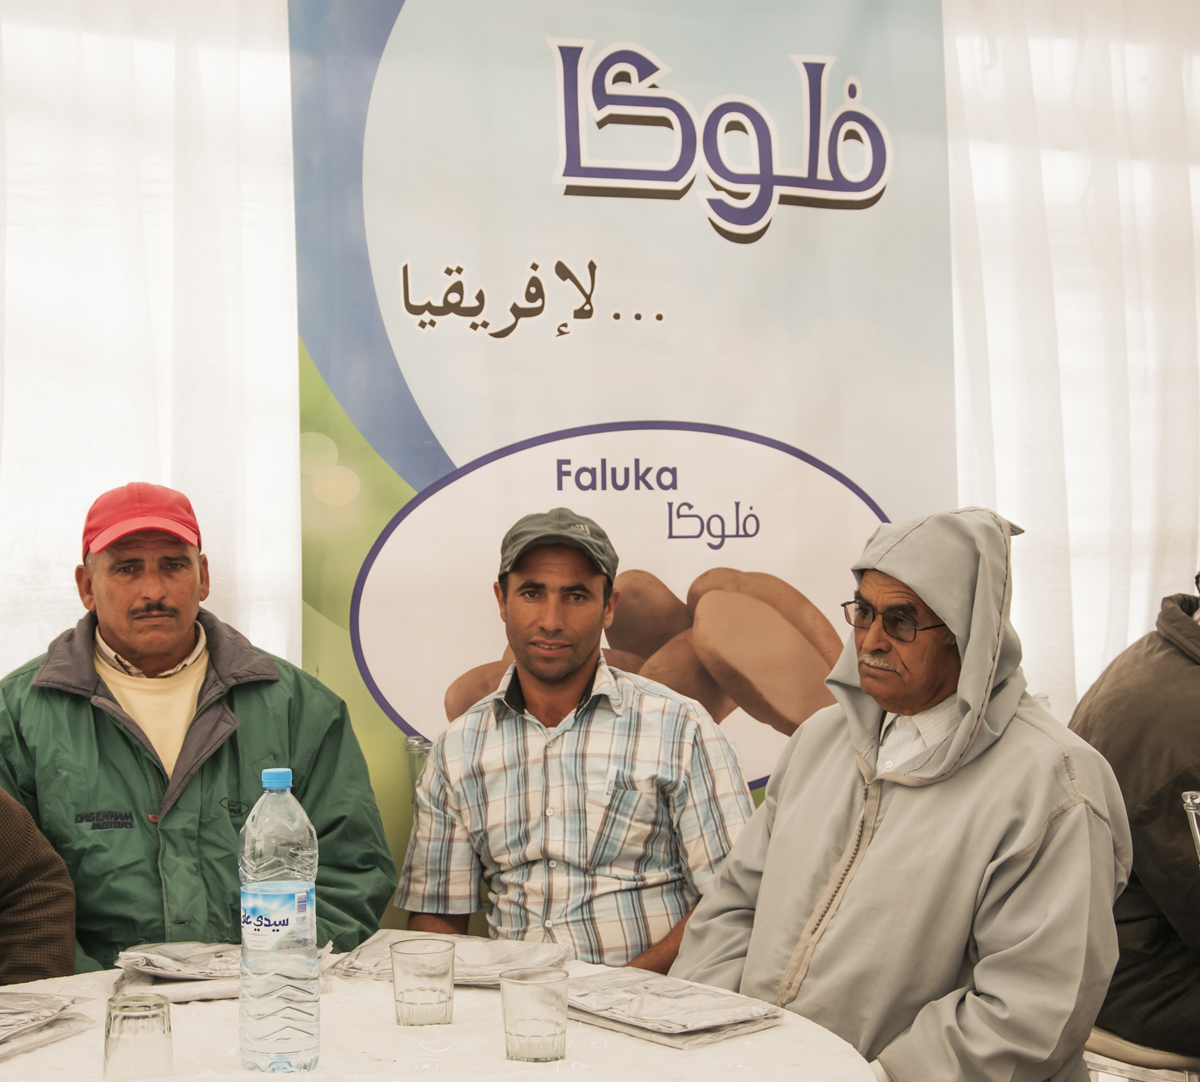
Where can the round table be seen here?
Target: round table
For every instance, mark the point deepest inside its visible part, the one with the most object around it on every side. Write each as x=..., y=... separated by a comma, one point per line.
x=360, y=1041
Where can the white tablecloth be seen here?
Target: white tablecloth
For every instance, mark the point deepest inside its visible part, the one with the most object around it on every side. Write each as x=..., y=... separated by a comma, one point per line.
x=360, y=1042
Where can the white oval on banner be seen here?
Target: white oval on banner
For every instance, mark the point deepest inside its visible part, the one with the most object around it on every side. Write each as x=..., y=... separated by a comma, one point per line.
x=424, y=611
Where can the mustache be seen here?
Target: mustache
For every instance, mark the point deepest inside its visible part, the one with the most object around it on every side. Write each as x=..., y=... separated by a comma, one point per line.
x=876, y=661
x=154, y=607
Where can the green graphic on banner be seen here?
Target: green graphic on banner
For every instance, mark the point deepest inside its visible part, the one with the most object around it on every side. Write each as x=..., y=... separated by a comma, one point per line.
x=348, y=495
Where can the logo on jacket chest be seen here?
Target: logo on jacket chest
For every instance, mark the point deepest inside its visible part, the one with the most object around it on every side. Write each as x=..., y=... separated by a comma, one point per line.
x=107, y=820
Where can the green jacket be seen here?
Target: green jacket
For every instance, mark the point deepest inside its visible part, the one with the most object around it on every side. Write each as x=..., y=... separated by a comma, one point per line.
x=156, y=860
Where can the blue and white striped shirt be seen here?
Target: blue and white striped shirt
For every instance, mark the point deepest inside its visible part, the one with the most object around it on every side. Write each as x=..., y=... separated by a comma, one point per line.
x=599, y=834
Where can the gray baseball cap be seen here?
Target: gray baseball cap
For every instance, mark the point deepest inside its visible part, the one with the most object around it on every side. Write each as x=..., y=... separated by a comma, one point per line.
x=559, y=526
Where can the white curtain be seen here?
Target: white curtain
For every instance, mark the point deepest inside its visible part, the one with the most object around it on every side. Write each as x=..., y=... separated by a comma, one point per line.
x=148, y=323
x=1075, y=211
x=147, y=296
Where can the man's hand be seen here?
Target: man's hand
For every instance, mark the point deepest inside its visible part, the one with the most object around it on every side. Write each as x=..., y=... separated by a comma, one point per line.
x=448, y=924
x=658, y=958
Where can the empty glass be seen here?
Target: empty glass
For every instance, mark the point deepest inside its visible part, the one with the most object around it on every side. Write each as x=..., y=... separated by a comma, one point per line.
x=534, y=1005
x=423, y=981
x=1191, y=807
x=417, y=749
x=137, y=1037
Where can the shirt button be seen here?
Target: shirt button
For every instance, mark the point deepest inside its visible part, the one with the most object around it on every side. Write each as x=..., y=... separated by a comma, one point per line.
x=887, y=765
x=554, y=864
x=549, y=924
x=549, y=811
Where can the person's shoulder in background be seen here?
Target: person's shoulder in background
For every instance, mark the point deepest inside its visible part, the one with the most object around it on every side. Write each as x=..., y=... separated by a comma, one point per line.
x=1143, y=712
x=37, y=901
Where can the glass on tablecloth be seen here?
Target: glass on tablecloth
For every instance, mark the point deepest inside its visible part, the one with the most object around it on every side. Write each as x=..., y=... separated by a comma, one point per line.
x=533, y=1003
x=137, y=1037
x=423, y=981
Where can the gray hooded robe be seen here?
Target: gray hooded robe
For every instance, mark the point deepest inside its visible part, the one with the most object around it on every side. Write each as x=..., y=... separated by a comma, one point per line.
x=953, y=917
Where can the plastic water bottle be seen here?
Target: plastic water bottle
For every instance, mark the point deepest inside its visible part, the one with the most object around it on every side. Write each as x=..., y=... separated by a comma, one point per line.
x=280, y=995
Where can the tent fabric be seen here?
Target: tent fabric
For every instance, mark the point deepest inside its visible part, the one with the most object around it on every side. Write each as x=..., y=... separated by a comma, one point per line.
x=148, y=302
x=148, y=296
x=1074, y=138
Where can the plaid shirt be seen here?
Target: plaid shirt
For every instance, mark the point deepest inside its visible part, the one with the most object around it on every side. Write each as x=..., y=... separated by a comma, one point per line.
x=599, y=834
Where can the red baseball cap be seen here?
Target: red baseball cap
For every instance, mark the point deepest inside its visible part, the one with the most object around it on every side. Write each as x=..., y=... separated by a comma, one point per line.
x=139, y=506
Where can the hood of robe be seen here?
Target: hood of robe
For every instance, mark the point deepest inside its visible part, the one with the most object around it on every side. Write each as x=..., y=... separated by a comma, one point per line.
x=960, y=564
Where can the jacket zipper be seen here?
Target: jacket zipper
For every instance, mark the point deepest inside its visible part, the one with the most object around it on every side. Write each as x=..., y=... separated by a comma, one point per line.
x=162, y=792
x=846, y=865
x=156, y=819
x=797, y=967
x=219, y=694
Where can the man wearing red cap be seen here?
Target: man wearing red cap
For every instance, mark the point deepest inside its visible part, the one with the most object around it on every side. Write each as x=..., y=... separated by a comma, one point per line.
x=138, y=740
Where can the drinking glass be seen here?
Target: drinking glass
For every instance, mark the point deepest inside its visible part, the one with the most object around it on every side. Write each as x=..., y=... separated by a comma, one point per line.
x=1191, y=808
x=137, y=1037
x=534, y=1005
x=423, y=981
x=417, y=749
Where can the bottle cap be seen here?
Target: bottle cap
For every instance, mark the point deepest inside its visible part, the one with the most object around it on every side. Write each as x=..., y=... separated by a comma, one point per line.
x=277, y=777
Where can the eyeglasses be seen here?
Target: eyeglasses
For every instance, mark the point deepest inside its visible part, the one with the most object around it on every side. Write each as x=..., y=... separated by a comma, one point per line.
x=862, y=615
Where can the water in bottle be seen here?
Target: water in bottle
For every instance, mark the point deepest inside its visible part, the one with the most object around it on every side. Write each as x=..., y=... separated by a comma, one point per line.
x=280, y=998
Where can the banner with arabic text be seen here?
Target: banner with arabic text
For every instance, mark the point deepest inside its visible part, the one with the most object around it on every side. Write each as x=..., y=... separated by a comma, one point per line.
x=682, y=266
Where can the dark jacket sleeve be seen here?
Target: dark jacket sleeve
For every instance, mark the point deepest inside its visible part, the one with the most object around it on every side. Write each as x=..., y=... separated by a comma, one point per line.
x=37, y=901
x=1143, y=715
x=17, y=781
x=356, y=873
x=1165, y=858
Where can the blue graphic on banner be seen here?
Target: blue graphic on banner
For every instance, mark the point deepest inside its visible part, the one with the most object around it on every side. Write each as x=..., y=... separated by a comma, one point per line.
x=335, y=51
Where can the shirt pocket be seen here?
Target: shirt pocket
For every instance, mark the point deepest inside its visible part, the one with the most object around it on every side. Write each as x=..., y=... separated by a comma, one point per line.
x=619, y=826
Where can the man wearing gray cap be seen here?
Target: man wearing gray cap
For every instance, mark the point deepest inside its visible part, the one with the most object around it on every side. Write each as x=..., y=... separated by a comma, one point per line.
x=596, y=804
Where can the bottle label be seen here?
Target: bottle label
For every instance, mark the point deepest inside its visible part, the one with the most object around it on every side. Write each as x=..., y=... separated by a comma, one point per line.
x=271, y=919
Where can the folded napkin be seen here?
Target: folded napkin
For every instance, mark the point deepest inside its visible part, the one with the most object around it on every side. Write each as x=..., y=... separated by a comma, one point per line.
x=664, y=1009
x=29, y=1020
x=477, y=961
x=184, y=972
x=183, y=961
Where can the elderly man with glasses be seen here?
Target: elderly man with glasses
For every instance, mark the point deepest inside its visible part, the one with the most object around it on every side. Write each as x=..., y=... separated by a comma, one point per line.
x=933, y=870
